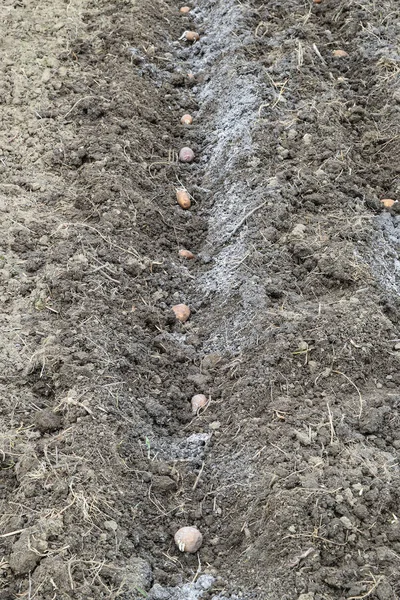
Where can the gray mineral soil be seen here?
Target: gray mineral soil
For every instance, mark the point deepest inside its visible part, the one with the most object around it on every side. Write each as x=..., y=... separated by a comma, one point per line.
x=291, y=471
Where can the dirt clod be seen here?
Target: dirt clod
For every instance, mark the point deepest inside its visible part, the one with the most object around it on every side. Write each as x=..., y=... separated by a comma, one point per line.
x=47, y=421
x=27, y=552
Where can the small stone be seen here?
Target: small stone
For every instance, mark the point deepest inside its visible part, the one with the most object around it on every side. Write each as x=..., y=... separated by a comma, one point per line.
x=316, y=461
x=272, y=182
x=309, y=596
x=52, y=62
x=46, y=75
x=254, y=162
x=303, y=438
x=292, y=529
x=214, y=425
x=307, y=138
x=312, y=365
x=348, y=494
x=303, y=346
x=283, y=152
x=298, y=230
x=346, y=522
x=110, y=525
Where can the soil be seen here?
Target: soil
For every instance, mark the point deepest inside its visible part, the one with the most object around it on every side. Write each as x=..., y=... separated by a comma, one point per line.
x=291, y=471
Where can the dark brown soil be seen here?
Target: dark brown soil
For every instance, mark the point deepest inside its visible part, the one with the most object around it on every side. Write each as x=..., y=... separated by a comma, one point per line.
x=291, y=473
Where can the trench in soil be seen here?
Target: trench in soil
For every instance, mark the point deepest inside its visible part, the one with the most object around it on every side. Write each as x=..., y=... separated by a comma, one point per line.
x=291, y=472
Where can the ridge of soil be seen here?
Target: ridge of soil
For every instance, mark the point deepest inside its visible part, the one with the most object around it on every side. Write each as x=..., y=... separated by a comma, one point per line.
x=291, y=473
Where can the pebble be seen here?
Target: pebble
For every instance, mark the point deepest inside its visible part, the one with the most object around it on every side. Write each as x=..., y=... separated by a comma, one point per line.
x=358, y=487
x=272, y=182
x=46, y=75
x=313, y=366
x=110, y=525
x=52, y=62
x=346, y=522
x=303, y=438
x=303, y=346
x=299, y=230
